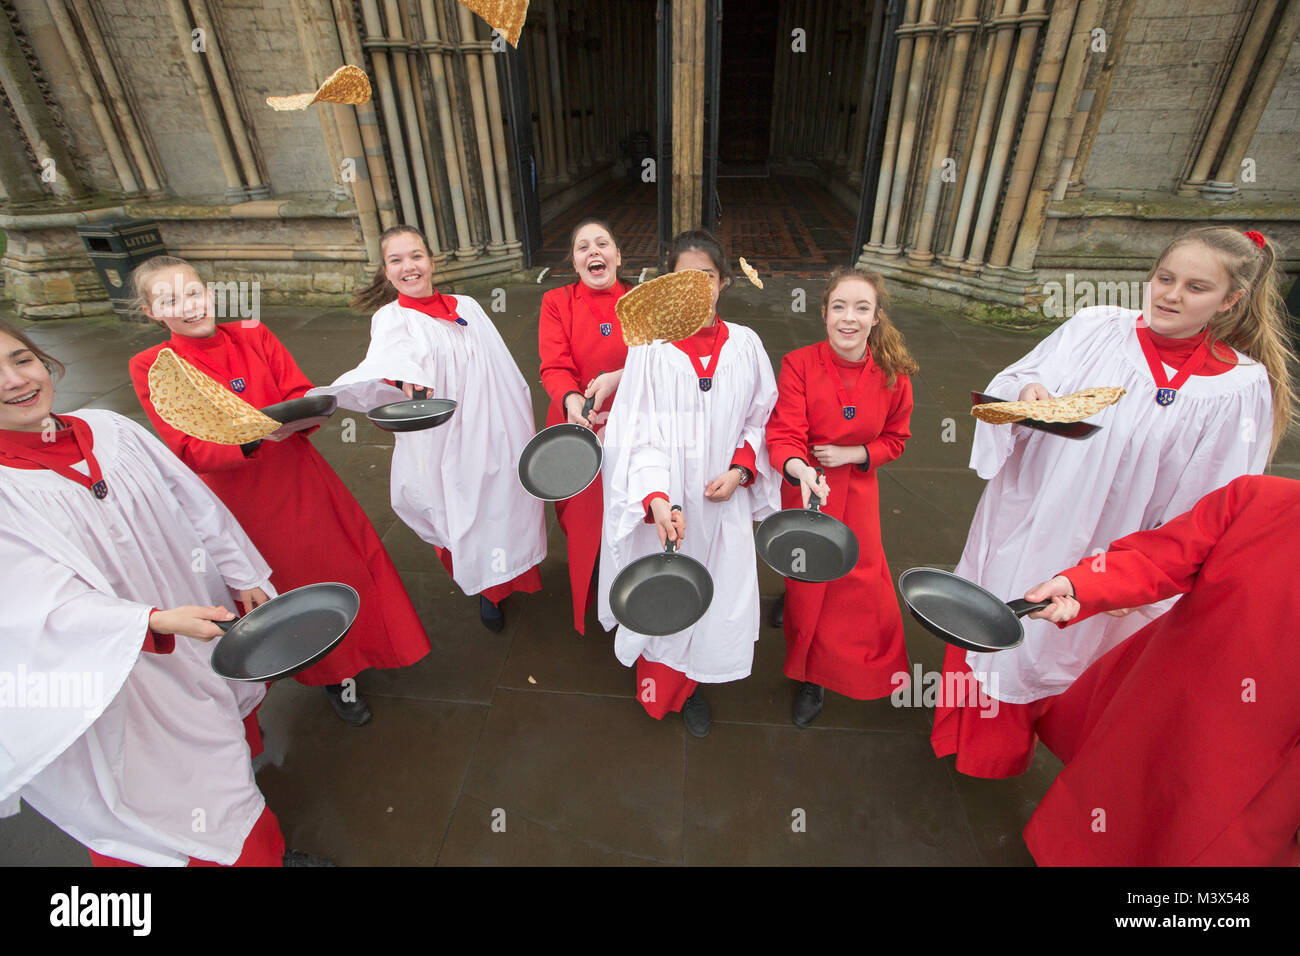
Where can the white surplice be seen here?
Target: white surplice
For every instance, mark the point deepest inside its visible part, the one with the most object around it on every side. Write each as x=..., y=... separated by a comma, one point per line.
x=665, y=434
x=139, y=756
x=457, y=485
x=1052, y=500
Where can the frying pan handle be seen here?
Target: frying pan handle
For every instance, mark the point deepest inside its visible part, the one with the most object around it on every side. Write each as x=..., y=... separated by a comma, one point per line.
x=1020, y=607
x=814, y=500
x=588, y=405
x=226, y=625
x=671, y=546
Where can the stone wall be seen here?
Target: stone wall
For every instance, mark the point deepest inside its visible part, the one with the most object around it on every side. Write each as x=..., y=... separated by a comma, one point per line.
x=1166, y=85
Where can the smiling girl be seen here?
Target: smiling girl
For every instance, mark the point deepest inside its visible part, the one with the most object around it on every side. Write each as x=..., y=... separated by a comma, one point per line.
x=844, y=406
x=101, y=533
x=582, y=349
x=456, y=485
x=1209, y=397
x=285, y=495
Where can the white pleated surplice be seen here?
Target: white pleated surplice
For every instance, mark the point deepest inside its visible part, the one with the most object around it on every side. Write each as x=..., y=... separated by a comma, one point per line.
x=457, y=485
x=1051, y=501
x=151, y=764
x=665, y=434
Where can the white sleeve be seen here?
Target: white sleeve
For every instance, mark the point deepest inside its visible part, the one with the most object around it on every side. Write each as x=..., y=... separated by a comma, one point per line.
x=1047, y=363
x=241, y=566
x=62, y=626
x=393, y=354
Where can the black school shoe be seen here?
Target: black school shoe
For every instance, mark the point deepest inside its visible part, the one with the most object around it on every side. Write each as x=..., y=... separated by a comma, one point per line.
x=354, y=713
x=695, y=714
x=300, y=858
x=776, y=617
x=491, y=616
x=808, y=704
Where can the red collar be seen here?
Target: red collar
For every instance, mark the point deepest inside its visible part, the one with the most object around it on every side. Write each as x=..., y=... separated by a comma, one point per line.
x=217, y=340
x=436, y=306
x=74, y=443
x=707, y=341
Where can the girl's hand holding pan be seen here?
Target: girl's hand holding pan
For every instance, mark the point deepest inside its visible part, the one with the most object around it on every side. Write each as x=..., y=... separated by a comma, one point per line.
x=811, y=483
x=602, y=387
x=669, y=522
x=1034, y=392
x=409, y=390
x=190, y=621
x=1064, y=607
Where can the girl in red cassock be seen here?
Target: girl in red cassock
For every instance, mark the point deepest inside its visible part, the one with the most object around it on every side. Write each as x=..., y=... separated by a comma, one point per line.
x=582, y=349
x=843, y=409
x=285, y=495
x=1182, y=745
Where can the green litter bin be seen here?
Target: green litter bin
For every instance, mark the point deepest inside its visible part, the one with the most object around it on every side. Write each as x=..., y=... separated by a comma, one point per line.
x=115, y=248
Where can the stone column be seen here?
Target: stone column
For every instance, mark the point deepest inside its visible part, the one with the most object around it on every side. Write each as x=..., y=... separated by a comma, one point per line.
x=1224, y=185
x=1243, y=65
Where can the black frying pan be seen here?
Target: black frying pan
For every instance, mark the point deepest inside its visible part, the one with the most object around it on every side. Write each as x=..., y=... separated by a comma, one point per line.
x=299, y=414
x=562, y=460
x=412, y=415
x=661, y=593
x=807, y=545
x=1076, y=430
x=287, y=634
x=961, y=612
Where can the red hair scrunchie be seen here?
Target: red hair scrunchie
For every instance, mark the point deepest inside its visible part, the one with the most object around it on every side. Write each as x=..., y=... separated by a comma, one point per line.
x=1256, y=237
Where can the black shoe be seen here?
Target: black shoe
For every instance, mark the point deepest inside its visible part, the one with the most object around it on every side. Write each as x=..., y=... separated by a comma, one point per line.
x=491, y=615
x=776, y=617
x=352, y=712
x=808, y=704
x=299, y=858
x=695, y=714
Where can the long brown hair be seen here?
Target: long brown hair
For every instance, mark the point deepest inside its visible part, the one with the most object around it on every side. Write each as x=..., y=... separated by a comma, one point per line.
x=52, y=365
x=888, y=350
x=1256, y=324
x=380, y=292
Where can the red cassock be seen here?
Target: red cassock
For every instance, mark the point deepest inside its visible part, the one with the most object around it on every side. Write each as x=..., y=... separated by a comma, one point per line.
x=291, y=503
x=579, y=337
x=1182, y=745
x=1001, y=744
x=846, y=635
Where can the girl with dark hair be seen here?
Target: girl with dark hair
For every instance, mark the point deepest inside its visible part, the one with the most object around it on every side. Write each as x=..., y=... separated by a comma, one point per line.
x=1209, y=395
x=687, y=428
x=102, y=527
x=456, y=485
x=286, y=496
x=582, y=351
x=844, y=408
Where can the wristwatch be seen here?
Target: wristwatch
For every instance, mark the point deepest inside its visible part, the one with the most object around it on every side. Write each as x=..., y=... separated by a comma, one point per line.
x=746, y=476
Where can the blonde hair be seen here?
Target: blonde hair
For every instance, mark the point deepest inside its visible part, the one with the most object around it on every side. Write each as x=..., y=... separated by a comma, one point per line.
x=1256, y=324
x=140, y=279
x=888, y=349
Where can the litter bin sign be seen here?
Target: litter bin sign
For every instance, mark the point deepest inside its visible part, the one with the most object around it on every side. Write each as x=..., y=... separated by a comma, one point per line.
x=115, y=248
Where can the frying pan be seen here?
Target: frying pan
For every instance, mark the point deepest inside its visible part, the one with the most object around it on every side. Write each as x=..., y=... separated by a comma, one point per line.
x=961, y=612
x=562, y=460
x=414, y=414
x=806, y=544
x=299, y=414
x=287, y=634
x=661, y=593
x=1064, y=429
